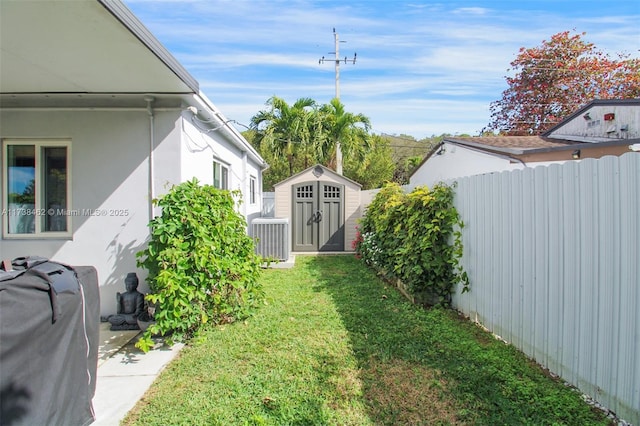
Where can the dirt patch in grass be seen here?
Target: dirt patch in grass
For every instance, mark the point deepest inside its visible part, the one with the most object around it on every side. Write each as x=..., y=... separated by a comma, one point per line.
x=403, y=393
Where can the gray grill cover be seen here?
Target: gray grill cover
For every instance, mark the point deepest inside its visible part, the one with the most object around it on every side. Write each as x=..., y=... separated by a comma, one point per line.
x=48, y=344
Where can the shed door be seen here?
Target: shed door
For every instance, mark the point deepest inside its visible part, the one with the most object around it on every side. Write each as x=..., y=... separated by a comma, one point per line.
x=318, y=218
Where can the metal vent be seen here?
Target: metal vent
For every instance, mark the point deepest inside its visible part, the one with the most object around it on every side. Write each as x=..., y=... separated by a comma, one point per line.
x=271, y=237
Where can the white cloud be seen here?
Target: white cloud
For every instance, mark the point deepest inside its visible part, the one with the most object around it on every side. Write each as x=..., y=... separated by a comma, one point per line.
x=471, y=11
x=422, y=67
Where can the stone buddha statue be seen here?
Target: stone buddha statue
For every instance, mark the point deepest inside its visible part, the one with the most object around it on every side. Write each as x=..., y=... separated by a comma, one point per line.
x=130, y=306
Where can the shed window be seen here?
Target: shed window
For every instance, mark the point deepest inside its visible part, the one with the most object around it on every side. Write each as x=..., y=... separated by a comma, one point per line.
x=331, y=191
x=304, y=191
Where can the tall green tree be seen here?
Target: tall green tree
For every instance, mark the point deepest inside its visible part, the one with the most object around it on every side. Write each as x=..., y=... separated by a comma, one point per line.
x=344, y=134
x=374, y=167
x=292, y=138
x=285, y=130
x=556, y=78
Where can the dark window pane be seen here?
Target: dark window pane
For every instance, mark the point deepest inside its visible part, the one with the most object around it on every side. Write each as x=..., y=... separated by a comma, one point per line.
x=54, y=178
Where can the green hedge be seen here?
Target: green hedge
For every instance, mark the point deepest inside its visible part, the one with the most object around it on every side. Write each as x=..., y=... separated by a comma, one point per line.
x=415, y=238
x=201, y=262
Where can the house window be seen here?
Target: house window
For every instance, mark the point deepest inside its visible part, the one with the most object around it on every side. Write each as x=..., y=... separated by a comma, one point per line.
x=252, y=190
x=37, y=189
x=220, y=175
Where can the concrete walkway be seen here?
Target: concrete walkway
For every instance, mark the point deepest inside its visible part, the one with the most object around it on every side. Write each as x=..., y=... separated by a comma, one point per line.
x=125, y=373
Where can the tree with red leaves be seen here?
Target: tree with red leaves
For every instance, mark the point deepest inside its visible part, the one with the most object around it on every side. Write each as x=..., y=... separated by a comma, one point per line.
x=555, y=79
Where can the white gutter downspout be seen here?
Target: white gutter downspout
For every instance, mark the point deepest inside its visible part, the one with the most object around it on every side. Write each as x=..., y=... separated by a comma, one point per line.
x=149, y=100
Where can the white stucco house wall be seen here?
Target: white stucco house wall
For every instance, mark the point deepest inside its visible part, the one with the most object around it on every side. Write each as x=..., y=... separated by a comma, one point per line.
x=602, y=127
x=97, y=119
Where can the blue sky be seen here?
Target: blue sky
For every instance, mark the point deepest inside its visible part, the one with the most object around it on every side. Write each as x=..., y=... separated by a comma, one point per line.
x=423, y=68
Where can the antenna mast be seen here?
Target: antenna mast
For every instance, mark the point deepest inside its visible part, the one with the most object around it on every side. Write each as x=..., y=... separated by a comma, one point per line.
x=337, y=61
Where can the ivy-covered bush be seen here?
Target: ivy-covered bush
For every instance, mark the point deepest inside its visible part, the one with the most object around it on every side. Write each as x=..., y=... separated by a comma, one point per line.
x=201, y=262
x=415, y=238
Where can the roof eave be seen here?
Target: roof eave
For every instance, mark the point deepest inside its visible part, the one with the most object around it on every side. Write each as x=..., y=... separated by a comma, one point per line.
x=200, y=100
x=483, y=147
x=137, y=28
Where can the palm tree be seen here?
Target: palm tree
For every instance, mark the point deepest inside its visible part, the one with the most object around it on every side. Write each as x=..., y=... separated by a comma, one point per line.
x=285, y=129
x=342, y=133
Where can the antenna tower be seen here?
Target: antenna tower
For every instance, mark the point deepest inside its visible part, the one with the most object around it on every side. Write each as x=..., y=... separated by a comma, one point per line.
x=337, y=60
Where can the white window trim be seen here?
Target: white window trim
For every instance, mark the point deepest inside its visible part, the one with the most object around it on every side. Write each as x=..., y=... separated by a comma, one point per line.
x=224, y=165
x=253, y=192
x=38, y=143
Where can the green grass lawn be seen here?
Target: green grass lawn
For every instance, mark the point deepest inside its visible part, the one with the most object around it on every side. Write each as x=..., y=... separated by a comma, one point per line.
x=335, y=345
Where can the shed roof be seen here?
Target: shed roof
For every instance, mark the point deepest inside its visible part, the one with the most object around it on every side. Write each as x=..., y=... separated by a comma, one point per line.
x=325, y=170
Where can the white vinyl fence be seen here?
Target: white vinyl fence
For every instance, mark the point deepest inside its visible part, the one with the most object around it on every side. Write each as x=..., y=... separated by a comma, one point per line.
x=553, y=256
x=268, y=204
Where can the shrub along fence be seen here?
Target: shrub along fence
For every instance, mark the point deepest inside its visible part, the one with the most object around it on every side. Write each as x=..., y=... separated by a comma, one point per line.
x=552, y=256
x=414, y=240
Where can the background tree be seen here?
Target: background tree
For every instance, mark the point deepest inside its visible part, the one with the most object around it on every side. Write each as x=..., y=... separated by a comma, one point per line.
x=374, y=167
x=293, y=138
x=283, y=129
x=28, y=195
x=407, y=153
x=344, y=128
x=556, y=78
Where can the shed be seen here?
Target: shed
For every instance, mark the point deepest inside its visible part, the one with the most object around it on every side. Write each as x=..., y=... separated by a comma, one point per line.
x=323, y=208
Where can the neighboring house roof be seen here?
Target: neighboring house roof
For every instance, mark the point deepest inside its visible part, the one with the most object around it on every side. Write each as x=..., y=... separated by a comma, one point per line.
x=515, y=145
x=553, y=145
x=539, y=148
x=94, y=54
x=532, y=149
x=505, y=146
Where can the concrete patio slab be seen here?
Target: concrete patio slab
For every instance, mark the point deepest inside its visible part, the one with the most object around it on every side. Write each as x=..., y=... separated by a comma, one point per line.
x=125, y=373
